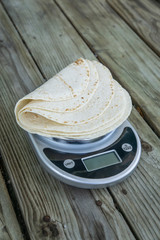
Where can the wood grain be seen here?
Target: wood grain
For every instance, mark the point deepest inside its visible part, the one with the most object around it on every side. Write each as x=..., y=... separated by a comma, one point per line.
x=38, y=193
x=130, y=60
x=45, y=32
x=9, y=227
x=139, y=195
x=143, y=17
x=132, y=204
x=81, y=202
x=129, y=199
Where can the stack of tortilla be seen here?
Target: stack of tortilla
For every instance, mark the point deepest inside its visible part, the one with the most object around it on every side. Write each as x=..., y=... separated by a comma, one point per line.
x=82, y=101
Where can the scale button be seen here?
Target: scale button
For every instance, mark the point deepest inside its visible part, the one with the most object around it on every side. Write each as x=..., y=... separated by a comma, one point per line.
x=127, y=147
x=69, y=163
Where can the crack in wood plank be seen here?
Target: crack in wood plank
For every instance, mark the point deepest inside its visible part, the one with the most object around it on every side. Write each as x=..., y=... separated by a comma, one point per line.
x=9, y=227
x=13, y=200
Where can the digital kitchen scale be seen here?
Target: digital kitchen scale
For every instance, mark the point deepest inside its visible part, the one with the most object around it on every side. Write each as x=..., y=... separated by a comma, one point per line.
x=95, y=163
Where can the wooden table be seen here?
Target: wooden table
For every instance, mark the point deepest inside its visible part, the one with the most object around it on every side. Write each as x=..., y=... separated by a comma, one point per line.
x=37, y=39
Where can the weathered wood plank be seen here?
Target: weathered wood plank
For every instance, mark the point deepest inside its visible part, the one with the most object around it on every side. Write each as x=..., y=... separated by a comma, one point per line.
x=139, y=196
x=80, y=202
x=133, y=208
x=9, y=227
x=143, y=17
x=38, y=193
x=128, y=202
x=131, y=61
x=44, y=26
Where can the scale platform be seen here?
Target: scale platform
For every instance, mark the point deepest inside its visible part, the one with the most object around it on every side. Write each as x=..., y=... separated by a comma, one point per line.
x=95, y=163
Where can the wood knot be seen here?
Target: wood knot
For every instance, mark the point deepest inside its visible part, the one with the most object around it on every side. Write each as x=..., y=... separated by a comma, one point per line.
x=124, y=191
x=53, y=228
x=55, y=232
x=45, y=231
x=46, y=218
x=98, y=203
x=50, y=229
x=146, y=146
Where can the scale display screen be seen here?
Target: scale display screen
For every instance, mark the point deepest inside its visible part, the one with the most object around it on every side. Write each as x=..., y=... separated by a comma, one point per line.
x=101, y=160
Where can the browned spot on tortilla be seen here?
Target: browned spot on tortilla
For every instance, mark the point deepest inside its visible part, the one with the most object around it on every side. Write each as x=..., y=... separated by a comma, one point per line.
x=65, y=122
x=82, y=97
x=79, y=61
x=75, y=122
x=65, y=83
x=74, y=95
x=66, y=109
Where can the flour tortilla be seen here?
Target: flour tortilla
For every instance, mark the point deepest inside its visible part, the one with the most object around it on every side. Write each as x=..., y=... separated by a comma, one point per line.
x=69, y=105
x=114, y=116
x=72, y=81
x=104, y=129
x=107, y=107
x=94, y=108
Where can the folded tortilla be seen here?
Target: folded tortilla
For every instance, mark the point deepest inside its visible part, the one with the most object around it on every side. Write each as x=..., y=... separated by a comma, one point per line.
x=82, y=101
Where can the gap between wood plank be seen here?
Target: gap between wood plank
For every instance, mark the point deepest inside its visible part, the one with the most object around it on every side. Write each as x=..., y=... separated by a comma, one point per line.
x=100, y=60
x=5, y=173
x=119, y=209
x=134, y=30
x=12, y=196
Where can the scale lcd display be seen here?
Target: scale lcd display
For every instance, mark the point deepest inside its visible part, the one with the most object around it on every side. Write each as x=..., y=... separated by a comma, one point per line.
x=101, y=160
